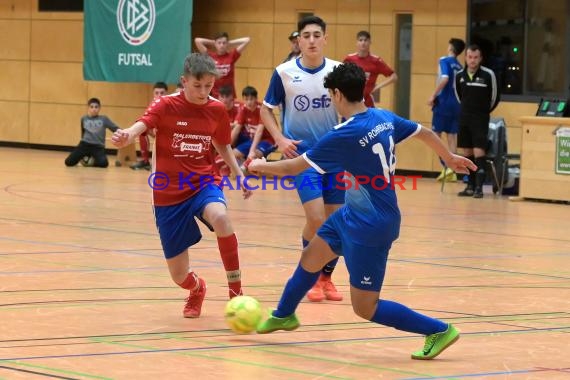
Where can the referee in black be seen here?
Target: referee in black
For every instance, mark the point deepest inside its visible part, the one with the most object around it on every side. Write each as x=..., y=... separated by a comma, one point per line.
x=476, y=89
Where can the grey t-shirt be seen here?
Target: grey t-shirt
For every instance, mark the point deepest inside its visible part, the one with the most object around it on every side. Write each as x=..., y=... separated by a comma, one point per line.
x=93, y=129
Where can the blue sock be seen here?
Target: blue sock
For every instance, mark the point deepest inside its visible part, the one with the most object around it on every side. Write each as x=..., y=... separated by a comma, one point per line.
x=400, y=317
x=297, y=286
x=329, y=268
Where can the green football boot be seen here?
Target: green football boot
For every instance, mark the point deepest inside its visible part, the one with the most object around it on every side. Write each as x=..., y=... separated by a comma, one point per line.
x=273, y=324
x=436, y=343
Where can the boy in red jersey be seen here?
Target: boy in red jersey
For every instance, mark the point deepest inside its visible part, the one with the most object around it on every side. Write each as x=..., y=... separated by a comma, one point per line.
x=249, y=137
x=159, y=89
x=372, y=66
x=189, y=124
x=232, y=108
x=232, y=105
x=225, y=59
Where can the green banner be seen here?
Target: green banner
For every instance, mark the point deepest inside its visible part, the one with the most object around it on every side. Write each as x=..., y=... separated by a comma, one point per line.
x=563, y=150
x=136, y=40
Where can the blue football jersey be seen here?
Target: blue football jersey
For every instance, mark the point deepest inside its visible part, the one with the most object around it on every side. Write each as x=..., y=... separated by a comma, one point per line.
x=364, y=146
x=447, y=103
x=308, y=112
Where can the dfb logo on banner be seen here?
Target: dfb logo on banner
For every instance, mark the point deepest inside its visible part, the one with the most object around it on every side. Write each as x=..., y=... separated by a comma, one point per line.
x=136, y=20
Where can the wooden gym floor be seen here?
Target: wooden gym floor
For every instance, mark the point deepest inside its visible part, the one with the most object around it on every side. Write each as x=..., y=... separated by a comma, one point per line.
x=85, y=293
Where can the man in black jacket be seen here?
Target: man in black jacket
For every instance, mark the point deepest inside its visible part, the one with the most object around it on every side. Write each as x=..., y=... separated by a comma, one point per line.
x=476, y=89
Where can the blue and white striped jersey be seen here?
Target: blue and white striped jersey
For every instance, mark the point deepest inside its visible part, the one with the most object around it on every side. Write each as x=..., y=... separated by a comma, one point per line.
x=308, y=111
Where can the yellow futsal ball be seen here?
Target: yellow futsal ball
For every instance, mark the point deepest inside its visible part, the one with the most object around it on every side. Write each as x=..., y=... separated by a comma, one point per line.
x=242, y=314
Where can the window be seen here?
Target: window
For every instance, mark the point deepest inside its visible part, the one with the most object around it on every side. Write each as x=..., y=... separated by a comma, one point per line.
x=60, y=5
x=547, y=43
x=526, y=43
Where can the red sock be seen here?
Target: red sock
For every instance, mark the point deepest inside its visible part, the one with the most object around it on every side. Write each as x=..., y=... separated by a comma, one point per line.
x=143, y=141
x=191, y=282
x=228, y=246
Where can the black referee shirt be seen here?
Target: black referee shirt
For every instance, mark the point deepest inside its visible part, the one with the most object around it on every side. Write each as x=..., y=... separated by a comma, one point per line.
x=479, y=94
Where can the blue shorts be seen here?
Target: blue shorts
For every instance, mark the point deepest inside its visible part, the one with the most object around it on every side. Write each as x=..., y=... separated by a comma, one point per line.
x=445, y=123
x=265, y=147
x=177, y=226
x=310, y=185
x=366, y=265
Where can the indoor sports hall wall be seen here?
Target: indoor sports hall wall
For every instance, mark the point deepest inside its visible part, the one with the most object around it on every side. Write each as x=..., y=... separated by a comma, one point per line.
x=43, y=93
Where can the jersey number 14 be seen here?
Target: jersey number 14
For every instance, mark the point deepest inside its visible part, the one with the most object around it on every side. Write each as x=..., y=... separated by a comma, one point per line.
x=387, y=159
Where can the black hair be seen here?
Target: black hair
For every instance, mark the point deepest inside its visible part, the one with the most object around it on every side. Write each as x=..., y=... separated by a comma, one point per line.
x=226, y=90
x=249, y=91
x=162, y=85
x=458, y=45
x=474, y=47
x=308, y=20
x=349, y=79
x=363, y=33
x=94, y=100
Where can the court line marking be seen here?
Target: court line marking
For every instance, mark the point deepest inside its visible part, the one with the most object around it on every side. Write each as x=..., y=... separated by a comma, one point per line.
x=59, y=370
x=502, y=271
x=36, y=373
x=345, y=340
x=485, y=374
x=218, y=358
x=222, y=333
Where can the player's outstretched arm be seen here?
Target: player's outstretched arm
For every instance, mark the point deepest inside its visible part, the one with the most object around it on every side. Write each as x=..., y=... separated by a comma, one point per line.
x=124, y=137
x=286, y=146
x=260, y=166
x=455, y=162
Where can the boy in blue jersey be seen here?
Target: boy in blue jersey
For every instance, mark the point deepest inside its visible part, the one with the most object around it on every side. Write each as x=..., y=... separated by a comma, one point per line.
x=364, y=228
x=307, y=115
x=444, y=103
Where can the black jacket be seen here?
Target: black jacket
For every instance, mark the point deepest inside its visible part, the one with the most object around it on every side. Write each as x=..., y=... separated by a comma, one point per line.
x=479, y=95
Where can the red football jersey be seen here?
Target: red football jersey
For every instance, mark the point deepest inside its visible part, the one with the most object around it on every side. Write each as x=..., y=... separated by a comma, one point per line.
x=233, y=112
x=183, y=153
x=225, y=65
x=372, y=66
x=250, y=120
